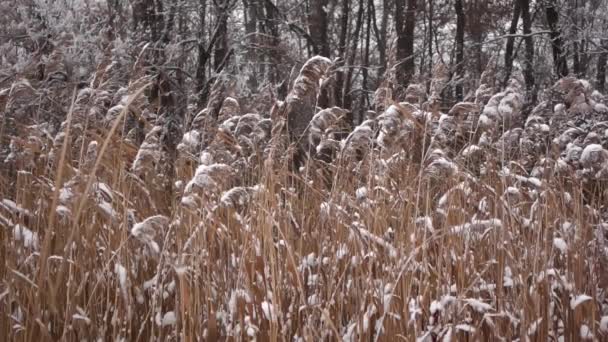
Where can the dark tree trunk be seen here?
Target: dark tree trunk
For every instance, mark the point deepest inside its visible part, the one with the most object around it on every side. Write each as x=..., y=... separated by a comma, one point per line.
x=157, y=20
x=352, y=54
x=255, y=58
x=576, y=61
x=318, y=26
x=365, y=70
x=149, y=16
x=270, y=28
x=382, y=36
x=430, y=46
x=251, y=16
x=511, y=41
x=405, y=21
x=221, y=46
x=203, y=54
x=478, y=14
x=379, y=41
x=579, y=47
x=114, y=10
x=529, y=60
x=169, y=24
x=344, y=21
x=600, y=78
x=460, y=23
x=559, y=58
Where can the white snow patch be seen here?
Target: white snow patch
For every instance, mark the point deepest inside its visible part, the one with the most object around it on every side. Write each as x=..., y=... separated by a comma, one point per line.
x=121, y=273
x=478, y=305
x=15, y=208
x=78, y=317
x=604, y=325
x=81, y=316
x=586, y=333
x=560, y=244
x=268, y=310
x=361, y=193
x=436, y=306
x=26, y=236
x=534, y=327
x=592, y=154
x=169, y=319
x=466, y=327
x=65, y=195
x=578, y=300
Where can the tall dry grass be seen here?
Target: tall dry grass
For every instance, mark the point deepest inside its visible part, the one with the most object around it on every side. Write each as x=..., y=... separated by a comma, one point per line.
x=422, y=225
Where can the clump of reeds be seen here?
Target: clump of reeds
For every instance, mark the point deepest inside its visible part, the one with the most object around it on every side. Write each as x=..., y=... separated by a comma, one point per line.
x=416, y=224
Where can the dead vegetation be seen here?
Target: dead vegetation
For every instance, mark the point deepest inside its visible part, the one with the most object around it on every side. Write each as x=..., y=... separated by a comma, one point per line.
x=476, y=222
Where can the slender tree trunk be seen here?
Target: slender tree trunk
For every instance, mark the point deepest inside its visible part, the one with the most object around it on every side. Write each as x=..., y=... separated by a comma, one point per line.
x=511, y=41
x=318, y=27
x=600, y=78
x=529, y=60
x=579, y=56
x=460, y=23
x=383, y=36
x=272, y=31
x=352, y=54
x=477, y=26
x=430, y=46
x=221, y=46
x=381, y=44
x=149, y=15
x=169, y=24
x=255, y=59
x=576, y=61
x=405, y=21
x=367, y=43
x=251, y=16
x=344, y=21
x=182, y=101
x=203, y=54
x=158, y=22
x=559, y=58
x=113, y=11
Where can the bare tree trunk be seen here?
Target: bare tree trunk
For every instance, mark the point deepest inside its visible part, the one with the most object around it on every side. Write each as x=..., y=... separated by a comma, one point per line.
x=318, y=26
x=600, y=78
x=511, y=41
x=379, y=41
x=383, y=36
x=255, y=59
x=157, y=20
x=579, y=54
x=430, y=47
x=221, y=46
x=559, y=58
x=460, y=23
x=149, y=15
x=250, y=10
x=352, y=54
x=344, y=20
x=114, y=10
x=529, y=60
x=269, y=27
x=203, y=54
x=169, y=24
x=576, y=62
x=405, y=21
x=477, y=27
x=366, y=52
